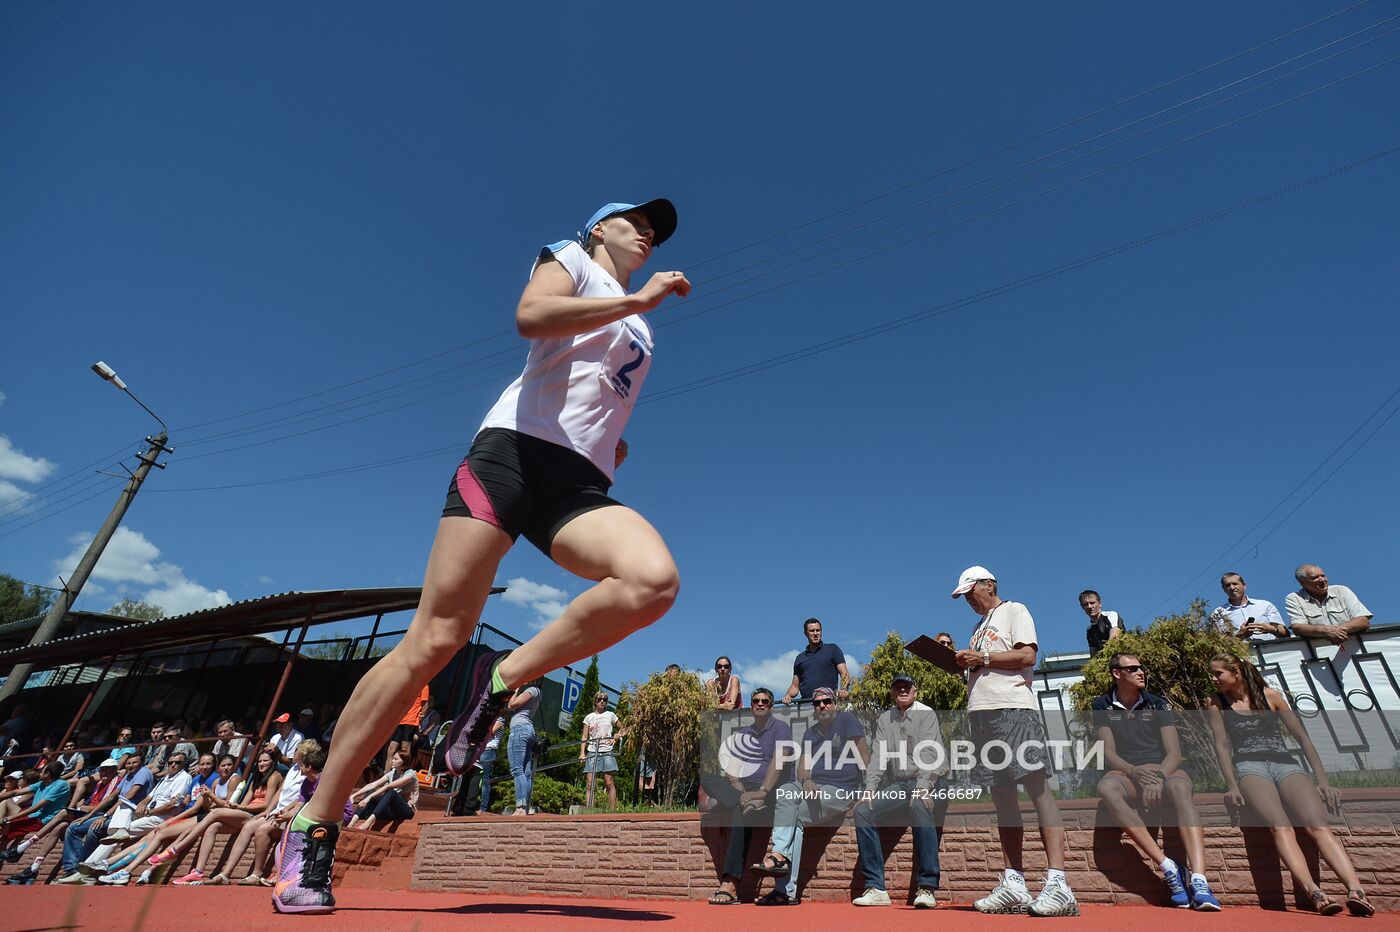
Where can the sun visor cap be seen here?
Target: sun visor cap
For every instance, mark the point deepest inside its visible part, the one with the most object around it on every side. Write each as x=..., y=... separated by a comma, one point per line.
x=661, y=213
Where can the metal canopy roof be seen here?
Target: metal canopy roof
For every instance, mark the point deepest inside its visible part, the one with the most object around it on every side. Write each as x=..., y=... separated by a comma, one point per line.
x=253, y=616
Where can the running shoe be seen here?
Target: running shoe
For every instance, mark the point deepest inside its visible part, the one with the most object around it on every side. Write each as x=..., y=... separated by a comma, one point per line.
x=467, y=738
x=75, y=878
x=1202, y=900
x=145, y=878
x=1055, y=899
x=192, y=879
x=925, y=899
x=10, y=854
x=1176, y=887
x=119, y=878
x=169, y=854
x=304, y=863
x=23, y=878
x=1004, y=899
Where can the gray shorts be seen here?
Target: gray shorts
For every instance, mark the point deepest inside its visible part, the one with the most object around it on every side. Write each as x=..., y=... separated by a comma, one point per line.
x=1022, y=733
x=1275, y=770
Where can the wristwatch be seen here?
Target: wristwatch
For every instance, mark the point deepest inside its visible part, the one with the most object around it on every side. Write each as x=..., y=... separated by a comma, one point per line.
x=986, y=657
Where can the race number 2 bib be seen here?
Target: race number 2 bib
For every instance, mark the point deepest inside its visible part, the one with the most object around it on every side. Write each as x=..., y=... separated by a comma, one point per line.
x=627, y=362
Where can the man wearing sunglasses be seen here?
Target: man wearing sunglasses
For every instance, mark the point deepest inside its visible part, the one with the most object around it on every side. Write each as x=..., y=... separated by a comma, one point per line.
x=743, y=787
x=1143, y=752
x=830, y=770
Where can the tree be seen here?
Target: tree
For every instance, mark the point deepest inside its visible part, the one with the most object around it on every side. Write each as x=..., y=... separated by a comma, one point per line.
x=19, y=600
x=663, y=718
x=143, y=611
x=938, y=689
x=1175, y=651
x=585, y=701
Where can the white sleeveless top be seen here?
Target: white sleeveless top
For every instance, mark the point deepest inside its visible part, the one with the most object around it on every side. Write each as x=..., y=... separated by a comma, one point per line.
x=579, y=391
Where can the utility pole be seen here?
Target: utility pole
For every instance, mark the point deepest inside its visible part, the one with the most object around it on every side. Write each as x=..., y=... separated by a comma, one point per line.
x=69, y=595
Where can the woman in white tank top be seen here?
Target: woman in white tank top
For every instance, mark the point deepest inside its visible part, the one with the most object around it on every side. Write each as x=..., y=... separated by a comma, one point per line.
x=541, y=466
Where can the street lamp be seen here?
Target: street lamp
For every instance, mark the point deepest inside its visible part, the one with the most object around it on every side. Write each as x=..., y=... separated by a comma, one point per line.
x=109, y=374
x=19, y=674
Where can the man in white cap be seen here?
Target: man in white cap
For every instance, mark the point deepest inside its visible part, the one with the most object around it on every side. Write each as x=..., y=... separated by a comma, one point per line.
x=283, y=745
x=1002, y=713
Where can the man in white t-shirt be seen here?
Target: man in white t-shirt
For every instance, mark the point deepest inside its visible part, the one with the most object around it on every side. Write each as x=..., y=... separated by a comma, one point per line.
x=283, y=745
x=596, y=749
x=1011, y=744
x=1104, y=626
x=169, y=797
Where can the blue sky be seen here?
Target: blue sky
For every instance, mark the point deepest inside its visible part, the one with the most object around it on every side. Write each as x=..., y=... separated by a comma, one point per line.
x=237, y=207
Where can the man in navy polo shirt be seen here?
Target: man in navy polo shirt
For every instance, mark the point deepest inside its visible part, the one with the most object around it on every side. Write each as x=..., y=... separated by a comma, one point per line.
x=1143, y=753
x=820, y=665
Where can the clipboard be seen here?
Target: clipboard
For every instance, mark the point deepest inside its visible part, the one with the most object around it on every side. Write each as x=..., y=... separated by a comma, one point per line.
x=935, y=653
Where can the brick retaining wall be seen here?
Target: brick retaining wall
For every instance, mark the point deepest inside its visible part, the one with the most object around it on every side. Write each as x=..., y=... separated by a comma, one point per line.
x=667, y=856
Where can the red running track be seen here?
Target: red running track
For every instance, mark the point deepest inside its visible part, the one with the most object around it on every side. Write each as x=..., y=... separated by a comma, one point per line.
x=213, y=909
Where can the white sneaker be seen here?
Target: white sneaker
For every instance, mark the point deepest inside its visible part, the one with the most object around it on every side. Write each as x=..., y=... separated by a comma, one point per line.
x=1004, y=899
x=1055, y=899
x=924, y=899
x=872, y=897
x=93, y=869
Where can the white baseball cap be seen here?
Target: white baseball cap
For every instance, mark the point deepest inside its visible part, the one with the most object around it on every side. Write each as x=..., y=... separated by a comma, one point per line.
x=969, y=578
x=16, y=775
x=109, y=762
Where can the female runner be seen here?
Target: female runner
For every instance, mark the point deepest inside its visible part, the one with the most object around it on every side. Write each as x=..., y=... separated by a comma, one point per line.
x=541, y=465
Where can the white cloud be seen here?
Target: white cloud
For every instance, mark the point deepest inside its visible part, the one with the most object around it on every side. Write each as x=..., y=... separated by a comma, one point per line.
x=776, y=672
x=15, y=464
x=547, y=602
x=185, y=595
x=265, y=580
x=2, y=398
x=132, y=563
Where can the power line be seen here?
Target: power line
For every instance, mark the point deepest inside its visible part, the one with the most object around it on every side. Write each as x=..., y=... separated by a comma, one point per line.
x=1234, y=546
x=1031, y=138
x=866, y=333
x=103, y=490
x=822, y=219
x=887, y=326
x=1075, y=145
x=346, y=406
x=1007, y=206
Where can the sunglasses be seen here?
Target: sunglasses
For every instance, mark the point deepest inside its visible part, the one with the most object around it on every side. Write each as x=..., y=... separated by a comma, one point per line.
x=1129, y=667
x=762, y=702
x=824, y=702
x=721, y=666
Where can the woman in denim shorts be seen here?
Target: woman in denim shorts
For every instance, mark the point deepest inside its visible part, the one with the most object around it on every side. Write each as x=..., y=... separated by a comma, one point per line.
x=1248, y=719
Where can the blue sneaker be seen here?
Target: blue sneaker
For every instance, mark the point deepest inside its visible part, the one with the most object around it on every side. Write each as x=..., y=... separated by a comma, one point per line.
x=1202, y=899
x=1176, y=887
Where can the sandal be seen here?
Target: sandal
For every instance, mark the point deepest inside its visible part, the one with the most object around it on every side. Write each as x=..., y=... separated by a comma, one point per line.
x=777, y=897
x=1324, y=905
x=722, y=898
x=774, y=864
x=252, y=880
x=1358, y=904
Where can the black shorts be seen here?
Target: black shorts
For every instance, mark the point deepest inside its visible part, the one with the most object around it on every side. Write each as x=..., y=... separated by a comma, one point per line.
x=525, y=485
x=404, y=734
